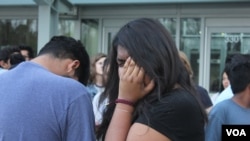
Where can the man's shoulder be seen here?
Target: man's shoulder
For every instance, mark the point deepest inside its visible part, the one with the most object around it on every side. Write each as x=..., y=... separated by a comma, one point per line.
x=2, y=70
x=222, y=106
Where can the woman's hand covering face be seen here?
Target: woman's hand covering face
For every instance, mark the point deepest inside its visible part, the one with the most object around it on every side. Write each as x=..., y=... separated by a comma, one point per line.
x=134, y=83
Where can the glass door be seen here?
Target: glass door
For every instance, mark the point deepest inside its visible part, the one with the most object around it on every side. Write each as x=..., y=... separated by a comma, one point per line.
x=221, y=42
x=109, y=29
x=108, y=35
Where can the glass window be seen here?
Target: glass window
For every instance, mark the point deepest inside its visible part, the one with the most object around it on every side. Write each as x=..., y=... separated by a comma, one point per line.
x=90, y=33
x=18, y=31
x=170, y=25
x=245, y=37
x=190, y=42
x=109, y=34
x=222, y=45
x=66, y=27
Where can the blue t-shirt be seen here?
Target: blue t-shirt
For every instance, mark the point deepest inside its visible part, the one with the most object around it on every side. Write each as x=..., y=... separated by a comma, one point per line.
x=225, y=112
x=37, y=105
x=2, y=70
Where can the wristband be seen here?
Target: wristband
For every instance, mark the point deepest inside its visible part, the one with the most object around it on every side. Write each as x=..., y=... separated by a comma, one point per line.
x=123, y=101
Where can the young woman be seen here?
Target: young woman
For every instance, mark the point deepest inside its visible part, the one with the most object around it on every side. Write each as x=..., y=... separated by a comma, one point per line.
x=96, y=79
x=150, y=91
x=225, y=91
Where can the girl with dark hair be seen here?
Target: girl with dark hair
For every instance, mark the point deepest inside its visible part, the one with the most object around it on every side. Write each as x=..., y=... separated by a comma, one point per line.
x=150, y=93
x=225, y=91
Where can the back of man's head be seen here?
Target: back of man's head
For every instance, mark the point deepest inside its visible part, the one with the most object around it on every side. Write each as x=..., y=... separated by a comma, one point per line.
x=240, y=73
x=29, y=49
x=63, y=47
x=16, y=58
x=228, y=62
x=5, y=52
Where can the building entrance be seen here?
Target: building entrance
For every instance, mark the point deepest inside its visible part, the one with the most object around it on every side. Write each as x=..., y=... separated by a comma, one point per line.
x=221, y=42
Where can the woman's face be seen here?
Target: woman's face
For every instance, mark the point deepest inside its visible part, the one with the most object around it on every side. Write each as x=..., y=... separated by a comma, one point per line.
x=99, y=66
x=122, y=55
x=225, y=80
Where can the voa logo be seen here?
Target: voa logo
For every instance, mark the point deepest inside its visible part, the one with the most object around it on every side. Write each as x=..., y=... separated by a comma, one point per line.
x=236, y=132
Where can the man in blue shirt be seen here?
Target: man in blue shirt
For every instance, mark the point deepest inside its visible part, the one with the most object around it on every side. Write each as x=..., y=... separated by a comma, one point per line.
x=236, y=110
x=41, y=102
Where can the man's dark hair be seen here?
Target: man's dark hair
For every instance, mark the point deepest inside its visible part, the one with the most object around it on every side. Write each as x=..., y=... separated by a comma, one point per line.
x=63, y=47
x=15, y=59
x=228, y=62
x=7, y=51
x=29, y=49
x=240, y=73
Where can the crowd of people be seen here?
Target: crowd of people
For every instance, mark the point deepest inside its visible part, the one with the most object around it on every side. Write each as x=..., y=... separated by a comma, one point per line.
x=10, y=56
x=143, y=89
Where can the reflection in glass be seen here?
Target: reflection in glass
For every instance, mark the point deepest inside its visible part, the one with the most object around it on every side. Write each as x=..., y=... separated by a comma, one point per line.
x=222, y=45
x=190, y=42
x=90, y=35
x=66, y=27
x=170, y=25
x=110, y=38
x=18, y=32
x=245, y=42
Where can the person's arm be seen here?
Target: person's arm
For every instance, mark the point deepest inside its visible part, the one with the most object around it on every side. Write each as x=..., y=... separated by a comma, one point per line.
x=142, y=132
x=125, y=132
x=214, y=126
x=120, y=123
x=205, y=98
x=132, y=87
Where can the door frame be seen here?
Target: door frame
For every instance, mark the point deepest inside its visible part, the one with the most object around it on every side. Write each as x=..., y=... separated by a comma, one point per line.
x=205, y=72
x=111, y=26
x=106, y=37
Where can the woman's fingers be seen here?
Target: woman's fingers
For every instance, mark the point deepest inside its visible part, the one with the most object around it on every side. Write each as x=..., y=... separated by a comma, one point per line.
x=128, y=68
x=134, y=83
x=126, y=65
x=140, y=73
x=134, y=72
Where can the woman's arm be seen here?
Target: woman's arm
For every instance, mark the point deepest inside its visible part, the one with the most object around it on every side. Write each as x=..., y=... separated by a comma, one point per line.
x=142, y=132
x=121, y=129
x=132, y=87
x=120, y=123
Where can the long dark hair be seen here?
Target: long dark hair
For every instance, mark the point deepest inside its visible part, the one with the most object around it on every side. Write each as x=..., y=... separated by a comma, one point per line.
x=151, y=47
